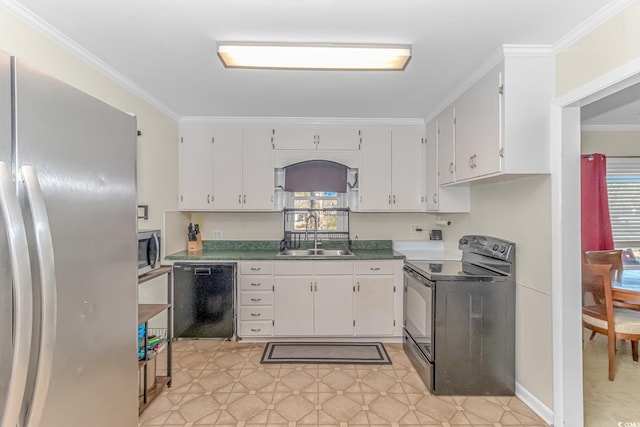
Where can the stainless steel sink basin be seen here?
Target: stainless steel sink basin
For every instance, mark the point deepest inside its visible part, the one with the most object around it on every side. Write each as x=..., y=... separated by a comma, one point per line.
x=315, y=252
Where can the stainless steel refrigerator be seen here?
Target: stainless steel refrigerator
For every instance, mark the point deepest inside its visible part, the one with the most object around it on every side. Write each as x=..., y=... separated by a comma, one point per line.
x=68, y=271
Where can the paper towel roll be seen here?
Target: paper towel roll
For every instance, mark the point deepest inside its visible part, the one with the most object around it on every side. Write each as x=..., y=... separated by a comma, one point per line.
x=445, y=222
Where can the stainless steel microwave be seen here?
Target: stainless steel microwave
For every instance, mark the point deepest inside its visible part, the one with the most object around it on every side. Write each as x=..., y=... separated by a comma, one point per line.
x=148, y=251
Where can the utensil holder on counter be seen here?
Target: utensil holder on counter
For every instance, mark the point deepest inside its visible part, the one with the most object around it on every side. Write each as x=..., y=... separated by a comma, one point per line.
x=195, y=245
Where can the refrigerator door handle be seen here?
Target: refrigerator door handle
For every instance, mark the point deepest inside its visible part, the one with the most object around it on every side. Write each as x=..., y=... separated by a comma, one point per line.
x=22, y=297
x=46, y=268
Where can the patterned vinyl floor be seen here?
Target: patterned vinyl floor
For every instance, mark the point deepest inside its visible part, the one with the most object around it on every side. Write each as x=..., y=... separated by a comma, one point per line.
x=223, y=384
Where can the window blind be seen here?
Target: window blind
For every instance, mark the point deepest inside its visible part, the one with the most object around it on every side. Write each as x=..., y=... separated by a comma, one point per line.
x=623, y=186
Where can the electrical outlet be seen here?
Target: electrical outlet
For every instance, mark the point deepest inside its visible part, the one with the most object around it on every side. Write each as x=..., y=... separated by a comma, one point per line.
x=217, y=234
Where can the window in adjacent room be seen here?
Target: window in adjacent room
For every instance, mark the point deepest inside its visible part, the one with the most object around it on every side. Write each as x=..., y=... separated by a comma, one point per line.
x=623, y=187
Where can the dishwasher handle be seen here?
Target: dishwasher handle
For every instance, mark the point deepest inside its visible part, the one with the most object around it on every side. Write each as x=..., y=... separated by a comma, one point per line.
x=202, y=271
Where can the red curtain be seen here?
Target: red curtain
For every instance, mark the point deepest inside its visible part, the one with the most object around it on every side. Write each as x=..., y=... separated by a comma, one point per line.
x=596, y=222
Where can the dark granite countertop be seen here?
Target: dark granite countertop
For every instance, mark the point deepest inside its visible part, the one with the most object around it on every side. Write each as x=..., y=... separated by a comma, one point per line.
x=267, y=250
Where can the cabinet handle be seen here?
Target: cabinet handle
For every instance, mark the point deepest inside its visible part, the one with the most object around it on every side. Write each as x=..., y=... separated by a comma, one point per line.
x=239, y=199
x=471, y=162
x=316, y=287
x=389, y=198
x=311, y=286
x=244, y=199
x=256, y=299
x=256, y=284
x=208, y=198
x=451, y=168
x=255, y=314
x=374, y=268
x=256, y=330
x=435, y=197
x=394, y=199
x=255, y=268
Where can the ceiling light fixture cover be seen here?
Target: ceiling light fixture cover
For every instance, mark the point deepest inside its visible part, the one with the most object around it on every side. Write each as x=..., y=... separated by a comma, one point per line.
x=314, y=56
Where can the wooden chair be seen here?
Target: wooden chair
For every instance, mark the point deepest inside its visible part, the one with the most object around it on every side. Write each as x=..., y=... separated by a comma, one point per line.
x=612, y=257
x=600, y=316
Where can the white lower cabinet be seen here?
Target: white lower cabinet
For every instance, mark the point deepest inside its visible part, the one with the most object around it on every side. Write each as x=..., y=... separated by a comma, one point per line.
x=255, y=299
x=337, y=298
x=319, y=298
x=375, y=311
x=313, y=298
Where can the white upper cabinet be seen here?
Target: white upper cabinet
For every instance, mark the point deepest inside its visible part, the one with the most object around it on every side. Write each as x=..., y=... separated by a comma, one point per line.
x=407, y=165
x=442, y=199
x=243, y=175
x=446, y=148
x=391, y=169
x=225, y=167
x=257, y=170
x=502, y=122
x=478, y=118
x=194, y=160
x=315, y=138
x=375, y=170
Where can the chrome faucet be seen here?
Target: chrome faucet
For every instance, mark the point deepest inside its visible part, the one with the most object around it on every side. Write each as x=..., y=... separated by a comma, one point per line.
x=315, y=229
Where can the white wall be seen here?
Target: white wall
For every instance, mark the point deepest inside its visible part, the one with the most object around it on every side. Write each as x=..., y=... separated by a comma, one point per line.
x=520, y=211
x=610, y=46
x=269, y=226
x=616, y=144
x=157, y=147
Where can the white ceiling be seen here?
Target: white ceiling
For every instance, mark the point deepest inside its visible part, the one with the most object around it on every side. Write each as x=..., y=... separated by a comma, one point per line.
x=167, y=48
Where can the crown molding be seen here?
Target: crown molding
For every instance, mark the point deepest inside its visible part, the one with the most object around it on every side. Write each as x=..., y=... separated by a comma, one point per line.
x=610, y=128
x=504, y=51
x=53, y=34
x=594, y=21
x=281, y=121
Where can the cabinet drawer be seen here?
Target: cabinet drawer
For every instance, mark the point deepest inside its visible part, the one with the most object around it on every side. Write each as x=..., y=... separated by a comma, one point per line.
x=374, y=268
x=256, y=267
x=256, y=283
x=256, y=298
x=262, y=328
x=256, y=313
x=334, y=267
x=293, y=268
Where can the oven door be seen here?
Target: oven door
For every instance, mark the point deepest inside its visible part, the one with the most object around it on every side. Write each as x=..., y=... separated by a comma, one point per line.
x=418, y=310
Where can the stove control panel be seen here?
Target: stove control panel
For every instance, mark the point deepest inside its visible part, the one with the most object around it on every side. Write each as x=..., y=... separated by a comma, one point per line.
x=487, y=246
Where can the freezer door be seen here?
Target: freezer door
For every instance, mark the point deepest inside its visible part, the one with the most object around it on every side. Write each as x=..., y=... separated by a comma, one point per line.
x=84, y=154
x=6, y=293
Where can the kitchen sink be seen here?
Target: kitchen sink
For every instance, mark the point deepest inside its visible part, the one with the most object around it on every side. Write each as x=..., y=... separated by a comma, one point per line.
x=315, y=252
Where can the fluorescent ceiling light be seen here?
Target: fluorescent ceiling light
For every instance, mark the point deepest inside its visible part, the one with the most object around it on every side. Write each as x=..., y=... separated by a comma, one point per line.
x=314, y=56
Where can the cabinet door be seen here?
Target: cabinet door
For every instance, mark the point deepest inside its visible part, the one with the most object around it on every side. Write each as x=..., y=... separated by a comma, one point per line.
x=432, y=166
x=257, y=170
x=446, y=135
x=478, y=128
x=293, y=306
x=333, y=303
x=338, y=139
x=195, y=173
x=407, y=164
x=227, y=168
x=375, y=170
x=294, y=138
x=455, y=198
x=374, y=302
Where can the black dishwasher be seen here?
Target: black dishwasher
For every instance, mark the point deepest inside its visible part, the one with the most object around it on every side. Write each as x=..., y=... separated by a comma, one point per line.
x=204, y=300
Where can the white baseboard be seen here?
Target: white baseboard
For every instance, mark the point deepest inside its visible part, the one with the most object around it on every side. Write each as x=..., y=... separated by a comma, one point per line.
x=536, y=405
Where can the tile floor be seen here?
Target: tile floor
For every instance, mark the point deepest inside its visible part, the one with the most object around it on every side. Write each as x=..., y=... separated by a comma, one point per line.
x=609, y=403
x=223, y=384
